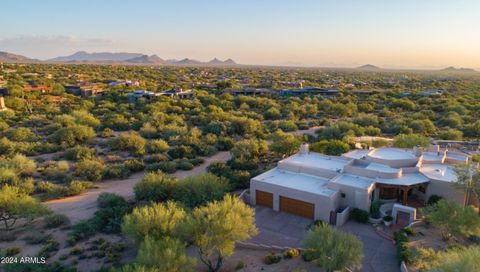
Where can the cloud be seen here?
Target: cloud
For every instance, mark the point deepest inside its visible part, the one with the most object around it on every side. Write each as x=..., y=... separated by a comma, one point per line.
x=43, y=47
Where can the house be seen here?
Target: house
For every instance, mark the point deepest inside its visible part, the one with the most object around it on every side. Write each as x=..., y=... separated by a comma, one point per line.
x=247, y=91
x=85, y=89
x=37, y=87
x=136, y=95
x=316, y=186
x=432, y=92
x=310, y=91
x=178, y=94
x=123, y=82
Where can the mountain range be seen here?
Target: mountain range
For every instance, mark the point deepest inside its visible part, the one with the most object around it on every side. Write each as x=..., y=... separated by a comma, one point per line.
x=114, y=58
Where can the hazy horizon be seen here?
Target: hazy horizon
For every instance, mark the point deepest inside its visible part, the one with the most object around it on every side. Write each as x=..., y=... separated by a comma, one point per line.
x=399, y=34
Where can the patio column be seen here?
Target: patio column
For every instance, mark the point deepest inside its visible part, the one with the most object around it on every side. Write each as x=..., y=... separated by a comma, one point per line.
x=405, y=196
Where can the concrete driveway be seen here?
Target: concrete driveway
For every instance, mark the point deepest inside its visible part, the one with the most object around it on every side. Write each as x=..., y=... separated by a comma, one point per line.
x=278, y=228
x=380, y=253
x=287, y=230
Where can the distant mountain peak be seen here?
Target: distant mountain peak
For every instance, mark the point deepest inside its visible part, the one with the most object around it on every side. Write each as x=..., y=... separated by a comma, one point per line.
x=9, y=57
x=461, y=69
x=153, y=59
x=97, y=56
x=369, y=67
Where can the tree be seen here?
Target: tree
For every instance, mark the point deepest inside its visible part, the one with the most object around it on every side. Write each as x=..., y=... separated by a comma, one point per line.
x=459, y=260
x=332, y=147
x=284, y=144
x=156, y=186
x=166, y=254
x=15, y=205
x=197, y=190
x=410, y=141
x=158, y=220
x=249, y=150
x=452, y=219
x=157, y=146
x=131, y=142
x=216, y=227
x=333, y=249
x=92, y=170
x=468, y=180
x=72, y=135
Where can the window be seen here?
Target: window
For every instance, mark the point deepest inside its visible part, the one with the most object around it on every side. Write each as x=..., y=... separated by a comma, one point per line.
x=343, y=195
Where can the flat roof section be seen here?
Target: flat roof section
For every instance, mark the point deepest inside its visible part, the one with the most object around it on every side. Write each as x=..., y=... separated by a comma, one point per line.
x=317, y=160
x=382, y=168
x=356, y=154
x=300, y=182
x=440, y=172
x=391, y=154
x=404, y=180
x=353, y=181
x=432, y=157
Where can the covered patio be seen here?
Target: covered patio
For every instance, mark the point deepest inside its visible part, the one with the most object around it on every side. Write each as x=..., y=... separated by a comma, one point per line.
x=408, y=195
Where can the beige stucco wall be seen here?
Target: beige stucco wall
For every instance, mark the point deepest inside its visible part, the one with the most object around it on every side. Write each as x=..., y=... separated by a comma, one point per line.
x=446, y=190
x=323, y=204
x=354, y=197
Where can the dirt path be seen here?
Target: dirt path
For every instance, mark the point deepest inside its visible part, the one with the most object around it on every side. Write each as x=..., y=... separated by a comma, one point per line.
x=84, y=206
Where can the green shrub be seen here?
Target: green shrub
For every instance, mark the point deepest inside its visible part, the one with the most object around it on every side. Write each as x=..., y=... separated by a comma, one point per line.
x=359, y=215
x=117, y=171
x=82, y=230
x=410, y=231
x=36, y=237
x=184, y=165
x=134, y=165
x=387, y=218
x=291, y=253
x=79, y=153
x=239, y=265
x=156, y=186
x=272, y=258
x=112, y=209
x=168, y=167
x=12, y=251
x=76, y=251
x=56, y=220
x=433, y=199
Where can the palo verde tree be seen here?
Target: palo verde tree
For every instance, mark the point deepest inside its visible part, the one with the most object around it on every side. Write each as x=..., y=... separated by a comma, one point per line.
x=216, y=227
x=14, y=205
x=333, y=249
x=468, y=181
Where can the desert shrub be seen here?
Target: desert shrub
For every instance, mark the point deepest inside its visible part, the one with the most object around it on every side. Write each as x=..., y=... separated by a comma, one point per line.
x=36, y=237
x=433, y=199
x=224, y=144
x=112, y=209
x=404, y=253
x=179, y=152
x=272, y=258
x=82, y=230
x=157, y=146
x=107, y=133
x=156, y=158
x=55, y=220
x=117, y=171
x=49, y=246
x=79, y=153
x=240, y=265
x=131, y=142
x=92, y=170
x=155, y=186
x=77, y=187
x=76, y=251
x=12, y=251
x=134, y=165
x=359, y=215
x=184, y=165
x=410, y=231
x=168, y=167
x=291, y=253
x=198, y=190
x=196, y=161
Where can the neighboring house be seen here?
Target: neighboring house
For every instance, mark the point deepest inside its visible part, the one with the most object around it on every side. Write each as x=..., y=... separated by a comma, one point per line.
x=133, y=97
x=317, y=186
x=85, y=89
x=37, y=87
x=310, y=91
x=432, y=92
x=247, y=91
x=178, y=94
x=123, y=82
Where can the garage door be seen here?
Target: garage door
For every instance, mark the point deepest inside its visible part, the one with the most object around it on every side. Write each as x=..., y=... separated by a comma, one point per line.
x=297, y=207
x=264, y=198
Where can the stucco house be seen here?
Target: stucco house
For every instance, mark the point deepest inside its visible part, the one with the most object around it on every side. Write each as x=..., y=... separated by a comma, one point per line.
x=318, y=186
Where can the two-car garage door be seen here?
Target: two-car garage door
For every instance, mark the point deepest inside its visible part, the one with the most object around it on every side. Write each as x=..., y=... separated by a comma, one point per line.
x=288, y=205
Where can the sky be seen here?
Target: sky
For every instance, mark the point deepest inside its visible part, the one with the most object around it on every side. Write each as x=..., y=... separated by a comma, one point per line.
x=388, y=33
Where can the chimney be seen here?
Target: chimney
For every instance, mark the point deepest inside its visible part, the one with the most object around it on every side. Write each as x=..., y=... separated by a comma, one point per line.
x=304, y=149
x=418, y=151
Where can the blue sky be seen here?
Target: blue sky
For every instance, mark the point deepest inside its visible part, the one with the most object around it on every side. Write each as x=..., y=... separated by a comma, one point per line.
x=393, y=33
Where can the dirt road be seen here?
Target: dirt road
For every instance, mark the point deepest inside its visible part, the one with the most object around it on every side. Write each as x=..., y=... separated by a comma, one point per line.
x=84, y=206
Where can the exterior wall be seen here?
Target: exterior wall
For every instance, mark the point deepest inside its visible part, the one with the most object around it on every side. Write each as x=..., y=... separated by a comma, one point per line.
x=354, y=197
x=323, y=204
x=446, y=190
x=298, y=168
x=342, y=217
x=395, y=163
x=359, y=171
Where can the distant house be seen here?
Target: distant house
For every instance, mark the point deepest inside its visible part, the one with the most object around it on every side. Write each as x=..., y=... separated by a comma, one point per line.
x=123, y=82
x=178, y=94
x=247, y=91
x=366, y=92
x=37, y=87
x=84, y=89
x=310, y=91
x=432, y=92
x=133, y=97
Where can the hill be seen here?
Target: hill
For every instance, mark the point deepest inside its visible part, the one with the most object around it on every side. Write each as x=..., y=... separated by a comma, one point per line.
x=83, y=56
x=9, y=57
x=369, y=67
x=461, y=69
x=153, y=59
x=216, y=61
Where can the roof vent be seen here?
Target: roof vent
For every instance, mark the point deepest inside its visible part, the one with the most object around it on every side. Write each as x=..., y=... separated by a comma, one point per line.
x=304, y=149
